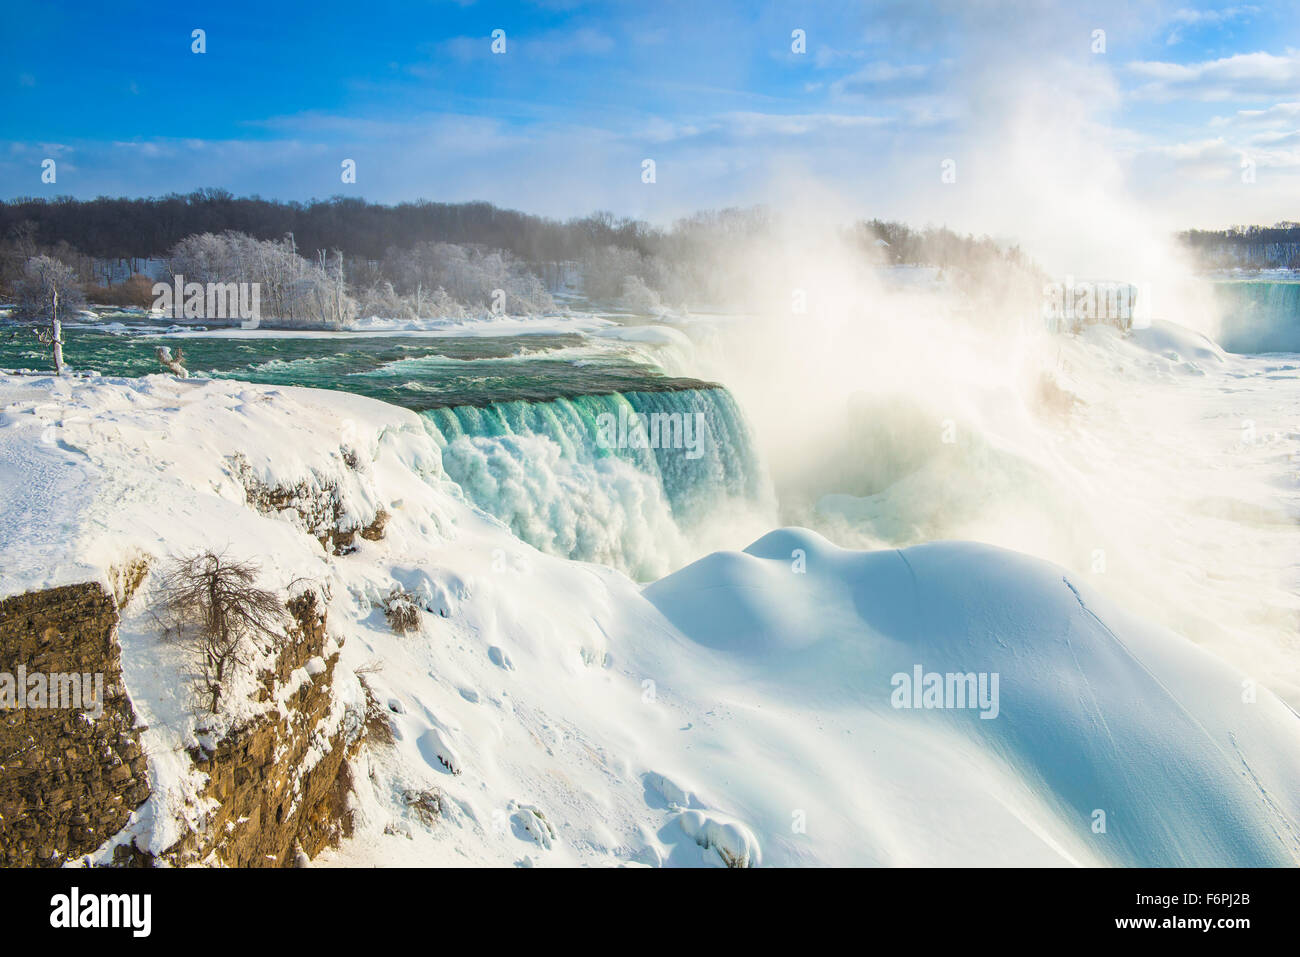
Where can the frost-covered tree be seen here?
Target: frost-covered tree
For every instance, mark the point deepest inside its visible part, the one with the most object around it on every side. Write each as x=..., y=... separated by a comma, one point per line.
x=468, y=276
x=293, y=290
x=382, y=301
x=439, y=304
x=46, y=287
x=44, y=277
x=640, y=298
x=214, y=607
x=605, y=272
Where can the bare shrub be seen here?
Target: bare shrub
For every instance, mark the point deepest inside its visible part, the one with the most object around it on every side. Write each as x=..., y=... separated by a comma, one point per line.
x=379, y=726
x=402, y=612
x=453, y=281
x=639, y=297
x=1053, y=399
x=47, y=285
x=127, y=576
x=426, y=804
x=381, y=300
x=136, y=291
x=213, y=607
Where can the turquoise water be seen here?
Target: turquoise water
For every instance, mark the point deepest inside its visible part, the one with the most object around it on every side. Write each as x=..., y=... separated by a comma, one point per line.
x=519, y=421
x=543, y=469
x=1259, y=315
x=417, y=373
x=724, y=463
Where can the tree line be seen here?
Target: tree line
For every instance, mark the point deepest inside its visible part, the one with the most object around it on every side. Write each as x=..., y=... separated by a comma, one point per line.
x=1268, y=246
x=142, y=228
x=325, y=262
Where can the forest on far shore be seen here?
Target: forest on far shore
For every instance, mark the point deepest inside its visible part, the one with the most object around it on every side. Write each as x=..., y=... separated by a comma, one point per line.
x=1267, y=247
x=404, y=260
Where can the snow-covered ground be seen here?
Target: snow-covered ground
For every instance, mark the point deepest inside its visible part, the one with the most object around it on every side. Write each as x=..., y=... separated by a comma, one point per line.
x=748, y=708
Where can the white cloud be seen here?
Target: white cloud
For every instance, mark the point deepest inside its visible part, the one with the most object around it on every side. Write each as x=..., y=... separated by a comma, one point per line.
x=1241, y=76
x=761, y=124
x=885, y=79
x=1280, y=114
x=1218, y=159
x=1275, y=138
x=1186, y=17
x=1214, y=150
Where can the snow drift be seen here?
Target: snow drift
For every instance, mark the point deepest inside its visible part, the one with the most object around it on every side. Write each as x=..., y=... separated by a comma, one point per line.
x=740, y=711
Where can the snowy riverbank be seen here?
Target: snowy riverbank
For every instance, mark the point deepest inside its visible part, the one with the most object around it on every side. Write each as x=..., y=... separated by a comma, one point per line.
x=745, y=707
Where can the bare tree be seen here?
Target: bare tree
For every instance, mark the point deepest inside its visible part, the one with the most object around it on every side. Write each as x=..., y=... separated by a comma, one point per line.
x=43, y=277
x=214, y=607
x=45, y=284
x=294, y=291
x=173, y=361
x=53, y=336
x=467, y=279
x=402, y=612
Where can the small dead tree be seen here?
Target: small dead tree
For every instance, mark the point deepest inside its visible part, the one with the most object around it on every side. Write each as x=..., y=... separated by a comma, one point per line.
x=213, y=606
x=47, y=283
x=173, y=361
x=402, y=612
x=53, y=336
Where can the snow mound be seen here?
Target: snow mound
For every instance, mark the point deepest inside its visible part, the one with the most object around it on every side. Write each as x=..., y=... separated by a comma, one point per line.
x=793, y=703
x=1093, y=710
x=1178, y=342
x=1172, y=346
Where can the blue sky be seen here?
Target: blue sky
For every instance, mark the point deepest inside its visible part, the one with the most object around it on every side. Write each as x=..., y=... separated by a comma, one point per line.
x=712, y=91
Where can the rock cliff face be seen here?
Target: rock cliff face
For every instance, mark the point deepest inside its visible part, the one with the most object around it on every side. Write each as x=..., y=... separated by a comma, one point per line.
x=317, y=505
x=70, y=780
x=282, y=782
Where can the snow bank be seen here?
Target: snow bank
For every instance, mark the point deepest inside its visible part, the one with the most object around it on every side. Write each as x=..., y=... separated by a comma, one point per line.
x=745, y=710
x=549, y=325
x=44, y=488
x=1095, y=710
x=1184, y=348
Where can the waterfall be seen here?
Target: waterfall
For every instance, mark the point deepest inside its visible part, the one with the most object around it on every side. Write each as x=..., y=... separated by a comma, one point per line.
x=626, y=479
x=1259, y=316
